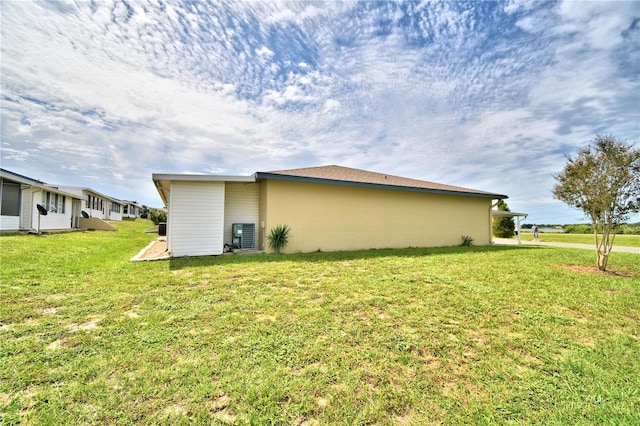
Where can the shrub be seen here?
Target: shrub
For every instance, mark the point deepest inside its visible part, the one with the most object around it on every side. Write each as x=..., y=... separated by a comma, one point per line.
x=630, y=229
x=156, y=216
x=578, y=229
x=466, y=241
x=278, y=237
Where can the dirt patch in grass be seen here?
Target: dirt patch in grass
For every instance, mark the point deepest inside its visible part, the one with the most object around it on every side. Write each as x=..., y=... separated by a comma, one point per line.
x=596, y=271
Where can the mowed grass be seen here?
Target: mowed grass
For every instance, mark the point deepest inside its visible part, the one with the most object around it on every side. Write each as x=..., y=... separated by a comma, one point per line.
x=476, y=335
x=621, y=240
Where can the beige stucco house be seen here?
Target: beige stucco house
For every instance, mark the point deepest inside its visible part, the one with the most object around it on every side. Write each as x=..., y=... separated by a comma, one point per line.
x=328, y=208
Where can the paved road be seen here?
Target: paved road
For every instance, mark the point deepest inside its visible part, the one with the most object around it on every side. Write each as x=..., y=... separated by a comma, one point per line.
x=506, y=241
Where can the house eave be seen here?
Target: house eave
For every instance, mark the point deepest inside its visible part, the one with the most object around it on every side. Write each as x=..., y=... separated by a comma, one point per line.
x=162, y=181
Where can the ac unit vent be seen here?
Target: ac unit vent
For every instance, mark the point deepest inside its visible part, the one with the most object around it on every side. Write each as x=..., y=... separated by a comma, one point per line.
x=243, y=235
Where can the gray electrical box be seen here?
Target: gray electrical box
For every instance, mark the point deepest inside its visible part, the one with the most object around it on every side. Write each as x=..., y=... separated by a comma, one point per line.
x=243, y=235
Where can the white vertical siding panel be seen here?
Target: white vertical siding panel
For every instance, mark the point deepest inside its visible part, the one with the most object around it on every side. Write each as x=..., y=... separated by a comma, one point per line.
x=53, y=220
x=9, y=223
x=196, y=218
x=27, y=207
x=241, y=205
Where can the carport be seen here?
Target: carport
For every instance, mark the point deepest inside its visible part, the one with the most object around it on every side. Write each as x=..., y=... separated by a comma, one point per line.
x=498, y=213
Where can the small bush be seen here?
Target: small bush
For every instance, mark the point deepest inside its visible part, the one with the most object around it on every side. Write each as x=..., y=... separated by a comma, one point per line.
x=578, y=229
x=466, y=241
x=278, y=237
x=157, y=216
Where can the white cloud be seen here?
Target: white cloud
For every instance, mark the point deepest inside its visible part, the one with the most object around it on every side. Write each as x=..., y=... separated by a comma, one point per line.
x=264, y=51
x=477, y=95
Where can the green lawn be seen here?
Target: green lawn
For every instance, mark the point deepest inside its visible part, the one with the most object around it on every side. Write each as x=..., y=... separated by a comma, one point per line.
x=476, y=335
x=620, y=240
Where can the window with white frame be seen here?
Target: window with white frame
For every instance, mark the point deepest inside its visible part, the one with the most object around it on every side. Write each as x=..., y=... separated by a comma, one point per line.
x=54, y=203
x=95, y=203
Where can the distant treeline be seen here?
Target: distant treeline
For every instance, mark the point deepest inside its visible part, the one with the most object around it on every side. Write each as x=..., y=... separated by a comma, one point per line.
x=585, y=228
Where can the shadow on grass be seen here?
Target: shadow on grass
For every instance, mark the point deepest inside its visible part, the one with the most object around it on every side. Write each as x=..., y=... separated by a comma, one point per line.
x=205, y=261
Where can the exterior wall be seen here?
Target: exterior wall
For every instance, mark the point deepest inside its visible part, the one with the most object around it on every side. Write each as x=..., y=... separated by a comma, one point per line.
x=262, y=210
x=113, y=215
x=196, y=218
x=240, y=206
x=99, y=213
x=52, y=220
x=331, y=217
x=102, y=213
x=95, y=213
x=133, y=211
x=9, y=223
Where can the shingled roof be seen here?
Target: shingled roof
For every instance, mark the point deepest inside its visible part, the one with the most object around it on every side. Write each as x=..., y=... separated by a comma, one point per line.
x=355, y=177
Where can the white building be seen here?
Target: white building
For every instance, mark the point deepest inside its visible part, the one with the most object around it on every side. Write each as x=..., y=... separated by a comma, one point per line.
x=20, y=197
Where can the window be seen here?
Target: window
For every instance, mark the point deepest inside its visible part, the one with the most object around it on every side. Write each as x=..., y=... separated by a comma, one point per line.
x=54, y=203
x=10, y=199
x=115, y=207
x=94, y=203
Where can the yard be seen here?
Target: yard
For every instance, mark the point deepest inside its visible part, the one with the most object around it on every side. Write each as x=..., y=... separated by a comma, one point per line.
x=557, y=237
x=478, y=335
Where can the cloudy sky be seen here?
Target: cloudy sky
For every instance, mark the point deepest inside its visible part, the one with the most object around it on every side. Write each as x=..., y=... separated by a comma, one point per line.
x=488, y=95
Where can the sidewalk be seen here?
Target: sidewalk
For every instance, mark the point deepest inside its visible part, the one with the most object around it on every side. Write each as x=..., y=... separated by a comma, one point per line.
x=525, y=242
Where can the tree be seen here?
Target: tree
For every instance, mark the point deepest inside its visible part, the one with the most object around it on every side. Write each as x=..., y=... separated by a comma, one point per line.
x=503, y=227
x=603, y=181
x=157, y=216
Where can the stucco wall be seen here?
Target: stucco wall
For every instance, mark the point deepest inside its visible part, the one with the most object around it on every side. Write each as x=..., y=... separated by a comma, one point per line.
x=330, y=217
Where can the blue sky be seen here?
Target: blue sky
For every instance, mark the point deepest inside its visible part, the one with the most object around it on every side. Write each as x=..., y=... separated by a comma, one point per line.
x=488, y=95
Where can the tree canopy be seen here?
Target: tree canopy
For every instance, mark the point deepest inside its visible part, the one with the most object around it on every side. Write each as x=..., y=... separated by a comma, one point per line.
x=503, y=227
x=603, y=181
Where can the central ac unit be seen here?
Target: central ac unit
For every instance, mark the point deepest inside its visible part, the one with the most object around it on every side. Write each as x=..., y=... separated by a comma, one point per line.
x=243, y=235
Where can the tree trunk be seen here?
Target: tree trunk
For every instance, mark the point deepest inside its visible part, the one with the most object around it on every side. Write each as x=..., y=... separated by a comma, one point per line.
x=603, y=244
x=602, y=260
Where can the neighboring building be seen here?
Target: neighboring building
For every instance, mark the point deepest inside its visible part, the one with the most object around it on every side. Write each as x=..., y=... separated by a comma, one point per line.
x=328, y=208
x=95, y=204
x=20, y=196
x=131, y=210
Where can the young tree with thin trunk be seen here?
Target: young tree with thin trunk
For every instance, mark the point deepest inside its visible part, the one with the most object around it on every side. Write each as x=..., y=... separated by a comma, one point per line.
x=603, y=181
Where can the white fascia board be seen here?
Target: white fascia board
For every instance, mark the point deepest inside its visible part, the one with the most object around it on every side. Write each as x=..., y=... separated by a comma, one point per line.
x=499, y=213
x=202, y=178
x=162, y=181
x=58, y=191
x=84, y=190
